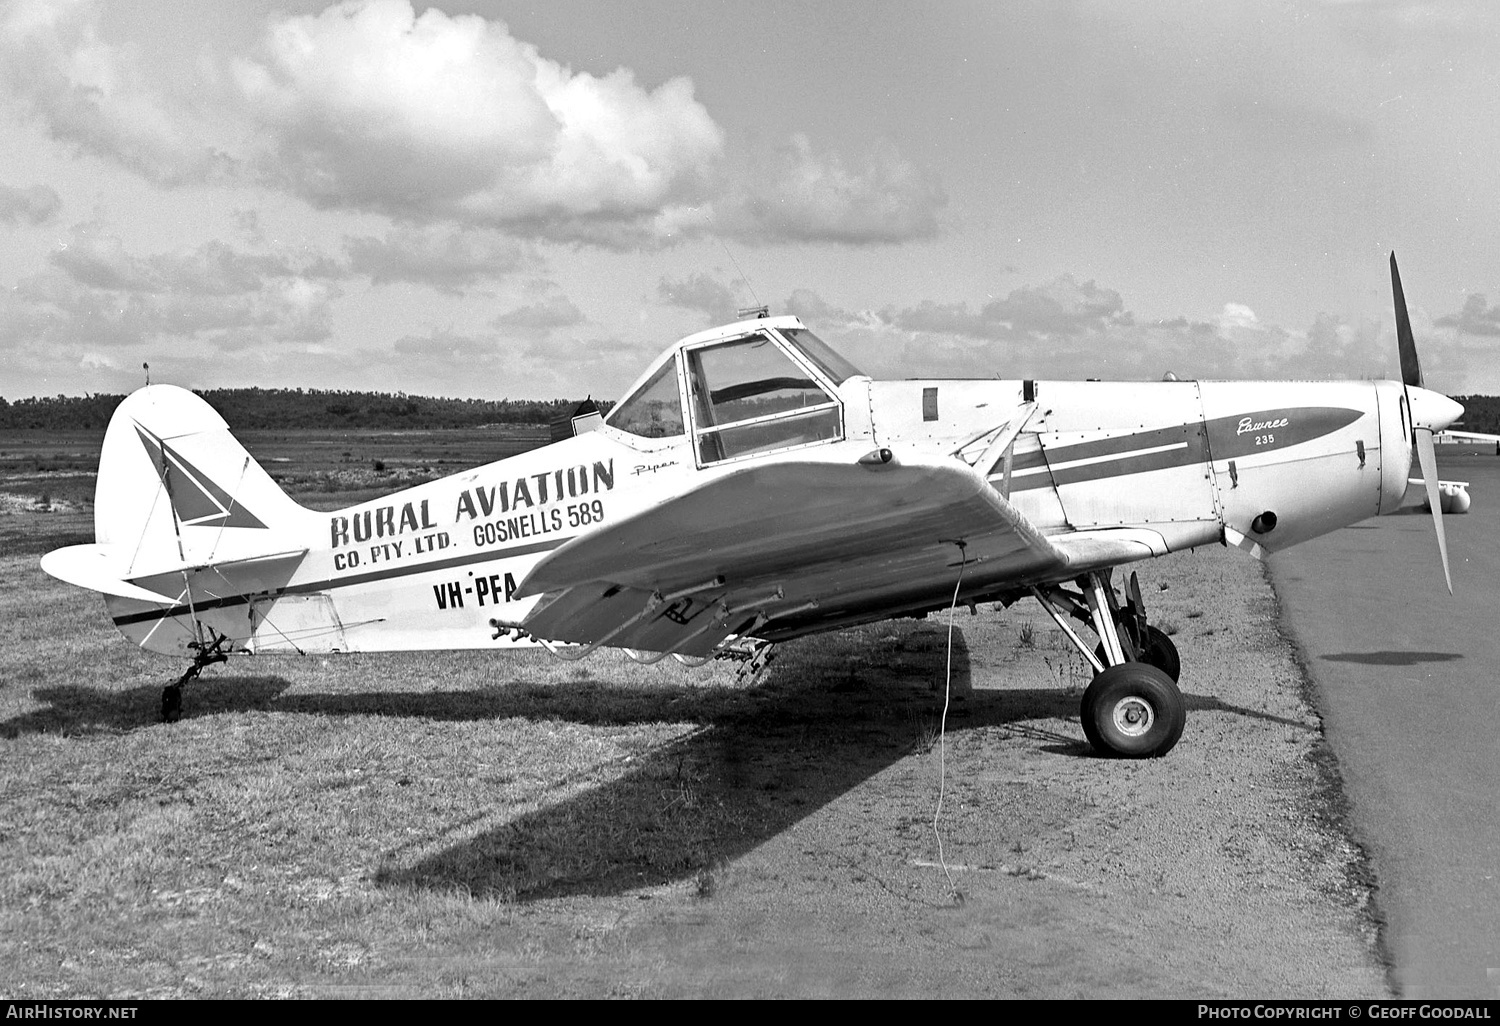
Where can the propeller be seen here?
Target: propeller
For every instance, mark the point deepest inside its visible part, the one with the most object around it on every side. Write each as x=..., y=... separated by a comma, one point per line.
x=1430, y=413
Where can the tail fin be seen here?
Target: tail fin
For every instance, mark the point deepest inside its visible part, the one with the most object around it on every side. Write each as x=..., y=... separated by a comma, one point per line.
x=177, y=488
x=183, y=517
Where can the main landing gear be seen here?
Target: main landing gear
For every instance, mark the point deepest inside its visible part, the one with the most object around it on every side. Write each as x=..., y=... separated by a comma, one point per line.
x=1133, y=708
x=204, y=654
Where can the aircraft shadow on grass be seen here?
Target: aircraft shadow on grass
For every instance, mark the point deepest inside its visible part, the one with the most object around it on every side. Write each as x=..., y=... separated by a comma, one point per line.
x=72, y=710
x=751, y=771
x=711, y=797
x=747, y=776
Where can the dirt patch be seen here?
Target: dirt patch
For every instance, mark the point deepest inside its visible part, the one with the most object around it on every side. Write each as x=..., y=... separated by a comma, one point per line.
x=1223, y=870
x=445, y=825
x=12, y=504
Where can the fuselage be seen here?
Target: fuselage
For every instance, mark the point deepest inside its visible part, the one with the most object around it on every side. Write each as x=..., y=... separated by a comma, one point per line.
x=1172, y=464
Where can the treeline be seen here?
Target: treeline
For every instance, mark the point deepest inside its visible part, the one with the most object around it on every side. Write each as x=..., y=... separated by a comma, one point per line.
x=1481, y=414
x=291, y=408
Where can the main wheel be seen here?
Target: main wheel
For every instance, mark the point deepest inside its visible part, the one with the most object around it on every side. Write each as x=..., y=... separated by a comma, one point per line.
x=1133, y=711
x=1158, y=651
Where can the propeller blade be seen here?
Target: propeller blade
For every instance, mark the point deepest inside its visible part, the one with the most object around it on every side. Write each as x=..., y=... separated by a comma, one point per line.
x=1411, y=370
x=1430, y=478
x=1430, y=412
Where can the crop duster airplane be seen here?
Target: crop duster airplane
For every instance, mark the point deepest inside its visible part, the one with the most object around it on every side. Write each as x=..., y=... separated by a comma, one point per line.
x=752, y=487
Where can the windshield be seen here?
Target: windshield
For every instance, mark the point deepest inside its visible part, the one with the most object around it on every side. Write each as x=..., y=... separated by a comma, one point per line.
x=750, y=396
x=822, y=355
x=655, y=409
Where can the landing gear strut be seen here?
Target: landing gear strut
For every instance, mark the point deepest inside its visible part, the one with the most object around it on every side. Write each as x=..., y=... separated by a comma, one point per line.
x=1133, y=708
x=205, y=654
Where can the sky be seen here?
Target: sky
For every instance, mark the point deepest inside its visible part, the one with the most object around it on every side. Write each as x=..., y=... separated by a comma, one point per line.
x=531, y=200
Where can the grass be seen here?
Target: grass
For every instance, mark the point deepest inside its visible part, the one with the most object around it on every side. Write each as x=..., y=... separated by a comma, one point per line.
x=313, y=824
x=383, y=825
x=499, y=824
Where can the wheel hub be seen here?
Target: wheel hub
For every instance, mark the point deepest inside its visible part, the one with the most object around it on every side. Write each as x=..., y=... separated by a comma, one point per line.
x=1133, y=716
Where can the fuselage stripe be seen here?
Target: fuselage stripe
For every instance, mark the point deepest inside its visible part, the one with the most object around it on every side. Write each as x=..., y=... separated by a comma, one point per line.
x=1090, y=460
x=1129, y=463
x=333, y=584
x=1070, y=463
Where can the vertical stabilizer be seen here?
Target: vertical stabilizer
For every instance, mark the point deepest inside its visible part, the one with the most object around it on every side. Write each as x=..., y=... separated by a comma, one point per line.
x=175, y=487
x=188, y=528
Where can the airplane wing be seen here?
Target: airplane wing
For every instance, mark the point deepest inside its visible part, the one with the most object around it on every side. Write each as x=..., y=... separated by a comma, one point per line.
x=1468, y=436
x=752, y=538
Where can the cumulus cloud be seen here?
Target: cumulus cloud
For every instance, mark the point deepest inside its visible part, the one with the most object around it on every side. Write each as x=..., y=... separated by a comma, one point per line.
x=54, y=309
x=34, y=205
x=815, y=310
x=1476, y=318
x=97, y=95
x=540, y=318
x=813, y=197
x=447, y=259
x=701, y=292
x=500, y=366
x=94, y=293
x=1237, y=316
x=1061, y=307
x=98, y=260
x=1068, y=330
x=567, y=366
x=371, y=106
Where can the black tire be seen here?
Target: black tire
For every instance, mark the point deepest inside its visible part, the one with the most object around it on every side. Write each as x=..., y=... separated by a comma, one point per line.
x=1158, y=651
x=1133, y=711
x=171, y=703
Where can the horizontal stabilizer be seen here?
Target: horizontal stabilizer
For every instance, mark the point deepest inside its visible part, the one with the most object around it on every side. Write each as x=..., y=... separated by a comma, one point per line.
x=224, y=578
x=107, y=569
x=98, y=568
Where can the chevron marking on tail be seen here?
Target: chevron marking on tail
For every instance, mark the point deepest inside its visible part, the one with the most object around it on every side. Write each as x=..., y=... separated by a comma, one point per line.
x=199, y=502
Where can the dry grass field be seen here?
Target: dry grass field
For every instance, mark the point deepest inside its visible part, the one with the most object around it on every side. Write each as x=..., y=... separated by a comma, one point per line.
x=475, y=825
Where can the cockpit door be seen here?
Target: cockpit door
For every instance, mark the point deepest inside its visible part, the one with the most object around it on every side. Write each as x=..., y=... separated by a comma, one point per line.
x=750, y=396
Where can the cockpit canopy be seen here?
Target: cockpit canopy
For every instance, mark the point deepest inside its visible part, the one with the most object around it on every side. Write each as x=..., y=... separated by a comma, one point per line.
x=754, y=388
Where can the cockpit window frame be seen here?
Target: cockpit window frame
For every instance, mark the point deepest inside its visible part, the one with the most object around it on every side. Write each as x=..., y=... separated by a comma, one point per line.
x=773, y=330
x=651, y=443
x=700, y=433
x=823, y=356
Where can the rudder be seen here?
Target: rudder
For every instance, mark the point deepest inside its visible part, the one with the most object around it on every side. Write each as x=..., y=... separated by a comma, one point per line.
x=175, y=486
x=189, y=528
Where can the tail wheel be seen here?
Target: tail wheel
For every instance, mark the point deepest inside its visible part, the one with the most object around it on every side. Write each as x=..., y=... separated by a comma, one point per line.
x=1133, y=711
x=171, y=703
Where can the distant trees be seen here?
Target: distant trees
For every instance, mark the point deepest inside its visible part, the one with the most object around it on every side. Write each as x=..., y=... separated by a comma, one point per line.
x=1481, y=414
x=290, y=408
x=59, y=413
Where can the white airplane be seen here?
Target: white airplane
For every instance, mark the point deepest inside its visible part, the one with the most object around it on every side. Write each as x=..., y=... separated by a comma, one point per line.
x=1456, y=435
x=1454, y=495
x=752, y=487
